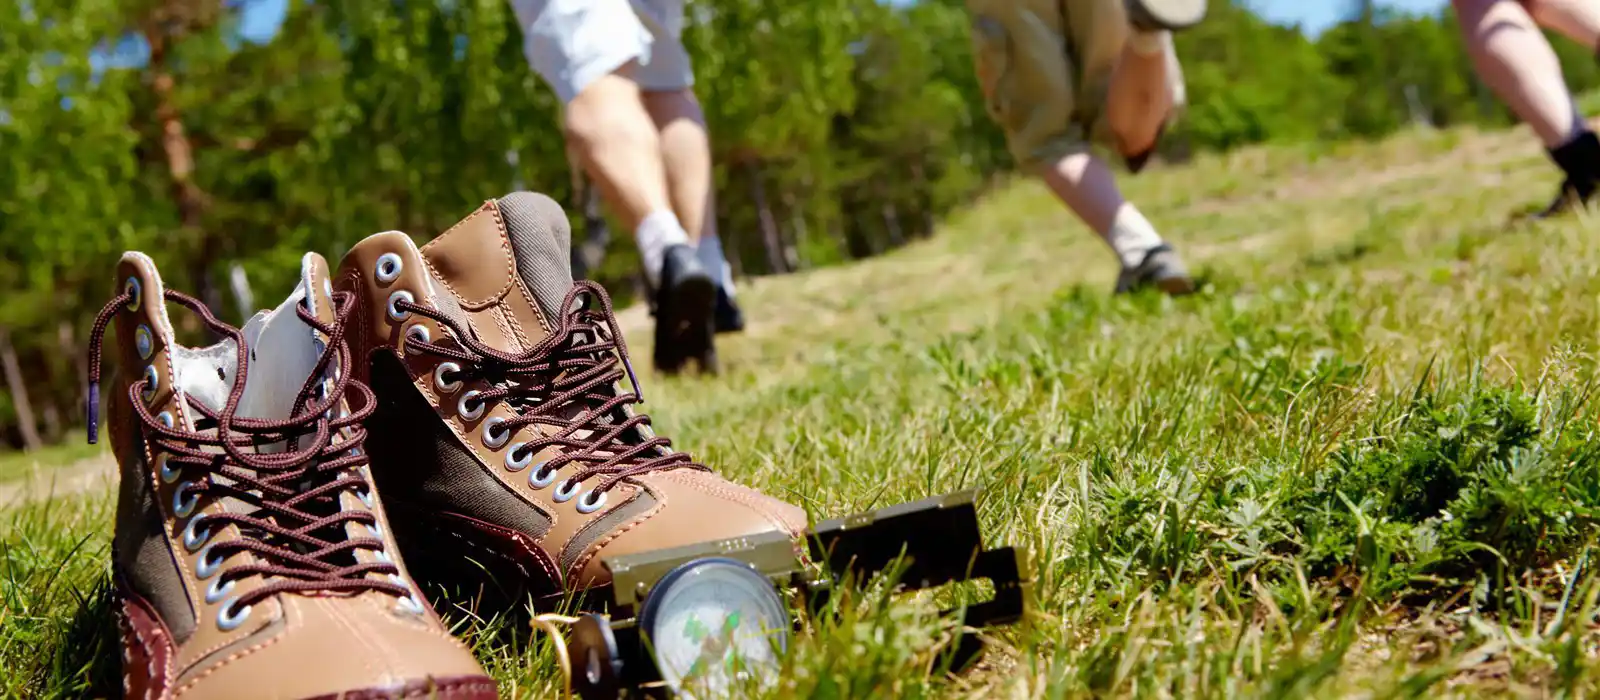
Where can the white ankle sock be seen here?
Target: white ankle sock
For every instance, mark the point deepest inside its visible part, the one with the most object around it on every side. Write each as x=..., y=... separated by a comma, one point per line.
x=1131, y=236
x=657, y=231
x=716, y=263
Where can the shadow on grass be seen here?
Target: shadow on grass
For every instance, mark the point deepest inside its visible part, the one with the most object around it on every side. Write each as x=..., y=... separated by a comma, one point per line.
x=88, y=661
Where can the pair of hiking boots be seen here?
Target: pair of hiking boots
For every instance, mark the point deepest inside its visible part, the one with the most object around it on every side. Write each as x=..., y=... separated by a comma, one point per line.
x=465, y=404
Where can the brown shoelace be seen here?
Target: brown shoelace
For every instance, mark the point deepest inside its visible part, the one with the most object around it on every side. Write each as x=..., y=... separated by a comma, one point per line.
x=567, y=381
x=296, y=531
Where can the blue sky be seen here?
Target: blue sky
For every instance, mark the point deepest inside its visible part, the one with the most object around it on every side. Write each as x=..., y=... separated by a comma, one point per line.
x=1316, y=15
x=262, y=16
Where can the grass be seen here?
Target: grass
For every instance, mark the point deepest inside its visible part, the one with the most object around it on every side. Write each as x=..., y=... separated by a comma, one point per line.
x=1360, y=464
x=20, y=466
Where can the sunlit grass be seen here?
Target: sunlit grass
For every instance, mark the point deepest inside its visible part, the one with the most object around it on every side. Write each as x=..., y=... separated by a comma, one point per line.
x=1358, y=464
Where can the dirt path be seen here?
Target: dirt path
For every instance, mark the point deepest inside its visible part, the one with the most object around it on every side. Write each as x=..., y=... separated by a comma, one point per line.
x=77, y=477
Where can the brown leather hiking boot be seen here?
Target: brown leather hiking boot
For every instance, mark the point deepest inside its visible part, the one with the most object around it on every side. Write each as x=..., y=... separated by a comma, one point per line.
x=508, y=438
x=252, y=557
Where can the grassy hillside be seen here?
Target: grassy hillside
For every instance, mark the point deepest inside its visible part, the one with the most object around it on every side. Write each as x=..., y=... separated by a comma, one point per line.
x=1363, y=463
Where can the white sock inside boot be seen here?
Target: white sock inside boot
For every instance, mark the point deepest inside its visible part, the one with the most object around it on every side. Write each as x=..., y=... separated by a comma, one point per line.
x=1131, y=236
x=282, y=352
x=658, y=230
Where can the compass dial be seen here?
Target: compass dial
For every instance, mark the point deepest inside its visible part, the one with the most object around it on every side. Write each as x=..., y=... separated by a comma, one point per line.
x=715, y=625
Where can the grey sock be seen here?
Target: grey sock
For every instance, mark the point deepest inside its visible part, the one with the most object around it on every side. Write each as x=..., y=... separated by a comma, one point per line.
x=712, y=259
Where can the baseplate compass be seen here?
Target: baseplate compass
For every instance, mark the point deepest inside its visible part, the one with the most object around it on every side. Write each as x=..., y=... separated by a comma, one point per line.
x=715, y=617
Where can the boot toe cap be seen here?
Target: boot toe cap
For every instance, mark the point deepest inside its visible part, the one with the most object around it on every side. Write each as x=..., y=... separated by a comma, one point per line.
x=345, y=648
x=693, y=507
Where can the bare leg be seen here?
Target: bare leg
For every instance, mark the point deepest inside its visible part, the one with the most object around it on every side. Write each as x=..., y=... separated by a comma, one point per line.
x=686, y=155
x=1516, y=61
x=613, y=136
x=686, y=152
x=1087, y=187
x=1578, y=20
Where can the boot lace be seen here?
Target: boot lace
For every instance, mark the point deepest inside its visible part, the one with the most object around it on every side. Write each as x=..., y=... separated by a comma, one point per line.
x=296, y=529
x=568, y=382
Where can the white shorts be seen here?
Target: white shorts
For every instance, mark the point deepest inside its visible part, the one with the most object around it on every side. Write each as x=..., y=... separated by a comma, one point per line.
x=572, y=43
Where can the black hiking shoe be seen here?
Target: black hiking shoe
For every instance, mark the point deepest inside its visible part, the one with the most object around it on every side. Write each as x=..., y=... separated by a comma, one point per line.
x=729, y=318
x=1162, y=269
x=1575, y=195
x=685, y=304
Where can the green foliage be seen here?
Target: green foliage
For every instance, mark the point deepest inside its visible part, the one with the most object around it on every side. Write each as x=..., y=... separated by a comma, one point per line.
x=840, y=129
x=1234, y=495
x=1451, y=490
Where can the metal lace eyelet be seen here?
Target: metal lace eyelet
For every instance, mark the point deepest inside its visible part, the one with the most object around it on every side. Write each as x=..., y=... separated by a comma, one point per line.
x=395, y=313
x=416, y=337
x=409, y=603
x=205, y=567
x=591, y=502
x=375, y=531
x=565, y=491
x=144, y=342
x=133, y=288
x=152, y=381
x=388, y=268
x=364, y=493
x=165, y=419
x=517, y=464
x=217, y=591
x=446, y=386
x=541, y=478
x=473, y=413
x=193, y=536
x=169, y=473
x=228, y=618
x=493, y=436
x=181, y=507
x=383, y=556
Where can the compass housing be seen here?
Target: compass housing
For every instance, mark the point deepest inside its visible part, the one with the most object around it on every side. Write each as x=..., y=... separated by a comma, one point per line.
x=716, y=623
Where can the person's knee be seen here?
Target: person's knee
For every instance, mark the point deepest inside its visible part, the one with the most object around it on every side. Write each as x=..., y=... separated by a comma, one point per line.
x=608, y=111
x=667, y=106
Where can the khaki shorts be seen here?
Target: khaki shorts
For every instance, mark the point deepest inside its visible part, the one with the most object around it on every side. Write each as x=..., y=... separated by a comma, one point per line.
x=1045, y=67
x=572, y=43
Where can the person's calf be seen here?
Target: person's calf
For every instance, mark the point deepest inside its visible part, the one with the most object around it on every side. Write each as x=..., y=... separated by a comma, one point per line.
x=608, y=128
x=1087, y=187
x=686, y=156
x=1578, y=20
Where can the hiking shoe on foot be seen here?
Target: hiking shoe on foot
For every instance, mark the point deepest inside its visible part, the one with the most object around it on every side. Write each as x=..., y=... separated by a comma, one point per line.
x=1169, y=15
x=685, y=301
x=1162, y=269
x=252, y=556
x=729, y=317
x=1575, y=195
x=507, y=403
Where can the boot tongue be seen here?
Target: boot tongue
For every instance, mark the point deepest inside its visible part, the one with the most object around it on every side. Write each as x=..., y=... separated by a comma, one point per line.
x=522, y=237
x=283, y=348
